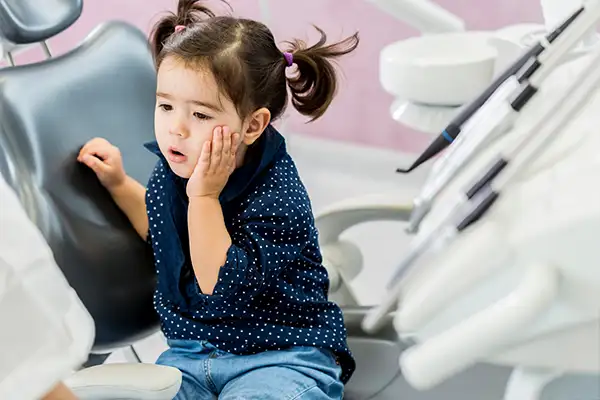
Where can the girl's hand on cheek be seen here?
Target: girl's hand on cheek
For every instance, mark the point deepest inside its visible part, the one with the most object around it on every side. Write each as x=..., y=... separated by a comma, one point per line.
x=215, y=164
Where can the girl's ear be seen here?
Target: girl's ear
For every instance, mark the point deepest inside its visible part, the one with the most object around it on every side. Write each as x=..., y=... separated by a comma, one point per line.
x=257, y=122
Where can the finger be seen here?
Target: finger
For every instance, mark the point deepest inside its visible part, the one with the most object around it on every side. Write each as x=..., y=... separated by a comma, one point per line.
x=226, y=160
x=217, y=149
x=234, y=148
x=90, y=144
x=226, y=141
x=235, y=143
x=104, y=152
x=204, y=160
x=94, y=164
x=84, y=150
x=99, y=149
x=232, y=163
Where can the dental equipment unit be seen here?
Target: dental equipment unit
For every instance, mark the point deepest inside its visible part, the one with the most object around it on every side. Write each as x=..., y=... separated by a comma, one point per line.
x=483, y=192
x=498, y=113
x=453, y=129
x=520, y=285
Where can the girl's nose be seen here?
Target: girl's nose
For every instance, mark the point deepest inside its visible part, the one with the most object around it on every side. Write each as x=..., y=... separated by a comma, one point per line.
x=179, y=129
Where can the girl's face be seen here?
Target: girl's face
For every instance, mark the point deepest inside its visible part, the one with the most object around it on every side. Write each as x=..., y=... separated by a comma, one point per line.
x=188, y=108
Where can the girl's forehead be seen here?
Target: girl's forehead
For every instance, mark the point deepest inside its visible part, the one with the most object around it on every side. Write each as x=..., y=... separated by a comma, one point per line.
x=176, y=73
x=179, y=80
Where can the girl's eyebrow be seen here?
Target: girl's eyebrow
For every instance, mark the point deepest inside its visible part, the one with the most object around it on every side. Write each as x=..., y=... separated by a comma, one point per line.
x=212, y=106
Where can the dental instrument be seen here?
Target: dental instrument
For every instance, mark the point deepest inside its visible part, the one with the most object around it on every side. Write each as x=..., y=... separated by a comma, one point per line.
x=478, y=199
x=523, y=68
x=499, y=119
x=480, y=207
x=496, y=178
x=447, y=136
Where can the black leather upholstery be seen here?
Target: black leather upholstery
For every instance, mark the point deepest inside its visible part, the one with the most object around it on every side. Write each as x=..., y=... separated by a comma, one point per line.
x=32, y=21
x=105, y=87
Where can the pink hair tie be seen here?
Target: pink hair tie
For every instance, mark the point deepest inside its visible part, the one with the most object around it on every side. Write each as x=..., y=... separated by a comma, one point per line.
x=289, y=58
x=179, y=28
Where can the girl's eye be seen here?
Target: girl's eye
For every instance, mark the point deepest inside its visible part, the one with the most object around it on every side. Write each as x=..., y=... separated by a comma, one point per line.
x=166, y=107
x=201, y=116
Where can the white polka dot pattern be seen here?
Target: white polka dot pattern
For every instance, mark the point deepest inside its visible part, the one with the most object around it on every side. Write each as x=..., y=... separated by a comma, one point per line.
x=272, y=291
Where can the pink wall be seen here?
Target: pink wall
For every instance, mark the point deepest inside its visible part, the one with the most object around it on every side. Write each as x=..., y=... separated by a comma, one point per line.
x=360, y=113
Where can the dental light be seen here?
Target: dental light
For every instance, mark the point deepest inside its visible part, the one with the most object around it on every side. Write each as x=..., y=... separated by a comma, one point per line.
x=416, y=70
x=485, y=189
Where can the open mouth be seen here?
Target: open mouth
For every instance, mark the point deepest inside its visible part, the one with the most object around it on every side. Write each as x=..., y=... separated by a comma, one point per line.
x=176, y=156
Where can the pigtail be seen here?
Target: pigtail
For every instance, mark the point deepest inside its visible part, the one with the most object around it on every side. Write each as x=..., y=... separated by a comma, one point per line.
x=189, y=12
x=161, y=33
x=314, y=84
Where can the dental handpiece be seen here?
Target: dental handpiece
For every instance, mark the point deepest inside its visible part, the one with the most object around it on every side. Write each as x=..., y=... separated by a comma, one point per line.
x=451, y=223
x=484, y=124
x=451, y=132
x=533, y=144
x=477, y=136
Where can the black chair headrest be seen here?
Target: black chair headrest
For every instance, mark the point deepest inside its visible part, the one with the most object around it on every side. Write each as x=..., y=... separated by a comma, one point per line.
x=32, y=21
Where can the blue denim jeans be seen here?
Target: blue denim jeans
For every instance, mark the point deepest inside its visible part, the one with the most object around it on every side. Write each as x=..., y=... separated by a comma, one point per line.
x=295, y=373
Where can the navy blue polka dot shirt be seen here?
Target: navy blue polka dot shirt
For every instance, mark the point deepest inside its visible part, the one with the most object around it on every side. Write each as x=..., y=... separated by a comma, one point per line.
x=272, y=290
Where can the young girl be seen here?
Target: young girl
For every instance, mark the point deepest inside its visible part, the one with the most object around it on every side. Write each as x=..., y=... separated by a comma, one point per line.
x=242, y=293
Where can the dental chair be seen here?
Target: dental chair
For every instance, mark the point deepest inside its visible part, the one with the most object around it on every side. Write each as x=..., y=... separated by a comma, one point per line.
x=27, y=22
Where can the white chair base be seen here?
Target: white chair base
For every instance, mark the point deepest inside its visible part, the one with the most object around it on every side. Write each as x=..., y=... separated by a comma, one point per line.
x=528, y=383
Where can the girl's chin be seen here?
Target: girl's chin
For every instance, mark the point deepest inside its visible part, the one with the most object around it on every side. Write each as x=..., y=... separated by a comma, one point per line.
x=181, y=170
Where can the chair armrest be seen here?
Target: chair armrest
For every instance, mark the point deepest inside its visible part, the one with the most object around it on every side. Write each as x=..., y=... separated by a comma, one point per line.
x=342, y=259
x=126, y=381
x=338, y=217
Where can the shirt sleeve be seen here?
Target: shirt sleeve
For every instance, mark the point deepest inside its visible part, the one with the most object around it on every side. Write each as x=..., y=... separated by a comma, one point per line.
x=268, y=236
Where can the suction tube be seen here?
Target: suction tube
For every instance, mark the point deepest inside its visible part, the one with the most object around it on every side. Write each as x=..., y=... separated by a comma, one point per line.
x=454, y=128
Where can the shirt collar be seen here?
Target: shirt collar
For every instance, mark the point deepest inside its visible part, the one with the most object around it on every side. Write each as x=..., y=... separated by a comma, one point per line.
x=260, y=155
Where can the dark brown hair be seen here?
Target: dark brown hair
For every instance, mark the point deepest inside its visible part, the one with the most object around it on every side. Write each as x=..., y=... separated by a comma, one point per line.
x=247, y=64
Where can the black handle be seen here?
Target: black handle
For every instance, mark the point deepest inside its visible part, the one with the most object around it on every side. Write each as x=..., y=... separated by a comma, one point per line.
x=479, y=211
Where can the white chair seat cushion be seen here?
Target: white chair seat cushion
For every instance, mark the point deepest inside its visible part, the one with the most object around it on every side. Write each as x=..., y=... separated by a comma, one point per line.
x=126, y=381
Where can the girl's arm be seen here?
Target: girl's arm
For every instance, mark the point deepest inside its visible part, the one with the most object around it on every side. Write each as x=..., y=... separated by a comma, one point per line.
x=105, y=160
x=209, y=240
x=130, y=196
